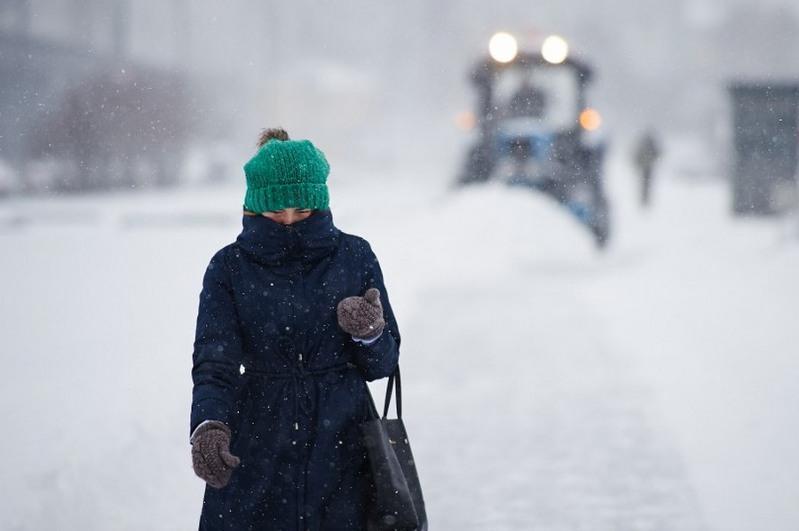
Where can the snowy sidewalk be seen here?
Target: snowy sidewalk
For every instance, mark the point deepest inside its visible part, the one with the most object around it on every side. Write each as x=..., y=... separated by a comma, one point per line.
x=522, y=418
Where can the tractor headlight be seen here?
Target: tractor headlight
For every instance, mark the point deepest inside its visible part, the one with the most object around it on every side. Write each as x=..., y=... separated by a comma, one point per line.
x=503, y=47
x=555, y=49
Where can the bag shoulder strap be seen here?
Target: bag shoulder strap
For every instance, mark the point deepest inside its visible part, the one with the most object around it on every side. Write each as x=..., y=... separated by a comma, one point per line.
x=393, y=381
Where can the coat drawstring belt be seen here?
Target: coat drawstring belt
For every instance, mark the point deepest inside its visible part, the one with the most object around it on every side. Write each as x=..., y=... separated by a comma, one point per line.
x=301, y=389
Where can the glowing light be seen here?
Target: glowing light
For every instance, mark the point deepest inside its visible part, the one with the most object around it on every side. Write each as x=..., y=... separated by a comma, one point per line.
x=555, y=49
x=465, y=120
x=590, y=119
x=503, y=47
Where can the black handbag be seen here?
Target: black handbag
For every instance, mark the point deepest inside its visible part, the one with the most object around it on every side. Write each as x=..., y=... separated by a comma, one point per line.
x=396, y=498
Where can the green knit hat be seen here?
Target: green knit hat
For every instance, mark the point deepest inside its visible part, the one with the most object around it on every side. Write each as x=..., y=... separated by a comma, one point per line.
x=286, y=174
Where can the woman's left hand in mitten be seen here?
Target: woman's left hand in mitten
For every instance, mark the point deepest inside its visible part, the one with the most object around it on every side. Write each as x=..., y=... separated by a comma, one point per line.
x=362, y=317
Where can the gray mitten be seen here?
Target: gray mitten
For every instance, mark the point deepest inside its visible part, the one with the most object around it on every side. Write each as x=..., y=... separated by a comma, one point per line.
x=362, y=317
x=210, y=453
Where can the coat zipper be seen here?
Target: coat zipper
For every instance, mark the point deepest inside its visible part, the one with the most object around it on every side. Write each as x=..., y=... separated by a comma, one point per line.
x=301, y=465
x=296, y=422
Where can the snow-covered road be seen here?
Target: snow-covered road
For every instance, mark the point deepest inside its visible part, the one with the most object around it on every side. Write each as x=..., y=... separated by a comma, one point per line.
x=546, y=387
x=533, y=422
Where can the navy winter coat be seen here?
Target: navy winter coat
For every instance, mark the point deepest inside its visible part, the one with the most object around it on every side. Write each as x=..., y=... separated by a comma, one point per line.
x=268, y=308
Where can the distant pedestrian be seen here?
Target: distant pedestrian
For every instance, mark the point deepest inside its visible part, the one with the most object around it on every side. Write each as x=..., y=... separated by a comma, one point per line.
x=293, y=320
x=646, y=154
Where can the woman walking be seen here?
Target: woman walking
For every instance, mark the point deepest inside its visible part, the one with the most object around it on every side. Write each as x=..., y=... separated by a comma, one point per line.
x=293, y=319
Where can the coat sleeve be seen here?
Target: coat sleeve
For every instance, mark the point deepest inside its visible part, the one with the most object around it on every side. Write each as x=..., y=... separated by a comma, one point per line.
x=217, y=348
x=379, y=358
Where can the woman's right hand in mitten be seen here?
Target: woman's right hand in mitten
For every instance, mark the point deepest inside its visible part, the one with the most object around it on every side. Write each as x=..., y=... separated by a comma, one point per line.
x=210, y=453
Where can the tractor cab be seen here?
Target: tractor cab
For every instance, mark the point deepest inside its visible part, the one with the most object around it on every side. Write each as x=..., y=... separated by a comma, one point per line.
x=535, y=129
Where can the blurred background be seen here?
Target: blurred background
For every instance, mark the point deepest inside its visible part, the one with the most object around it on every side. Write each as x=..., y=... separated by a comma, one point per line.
x=586, y=213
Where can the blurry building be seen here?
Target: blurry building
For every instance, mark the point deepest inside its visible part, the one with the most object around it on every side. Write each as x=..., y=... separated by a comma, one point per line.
x=39, y=57
x=766, y=145
x=72, y=95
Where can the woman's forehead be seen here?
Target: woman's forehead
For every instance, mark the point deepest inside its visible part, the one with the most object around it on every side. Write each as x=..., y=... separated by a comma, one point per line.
x=290, y=208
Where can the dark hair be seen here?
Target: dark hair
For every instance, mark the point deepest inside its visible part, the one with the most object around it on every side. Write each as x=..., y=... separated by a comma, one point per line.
x=277, y=133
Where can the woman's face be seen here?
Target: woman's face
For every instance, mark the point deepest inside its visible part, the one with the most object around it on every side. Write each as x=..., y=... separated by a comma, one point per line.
x=287, y=216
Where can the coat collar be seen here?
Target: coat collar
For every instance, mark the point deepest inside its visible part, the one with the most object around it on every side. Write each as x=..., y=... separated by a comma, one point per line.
x=304, y=241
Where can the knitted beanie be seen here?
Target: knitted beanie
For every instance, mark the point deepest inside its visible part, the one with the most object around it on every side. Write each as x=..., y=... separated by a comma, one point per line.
x=286, y=174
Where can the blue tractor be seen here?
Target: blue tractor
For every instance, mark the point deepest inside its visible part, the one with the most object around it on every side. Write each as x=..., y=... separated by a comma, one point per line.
x=536, y=131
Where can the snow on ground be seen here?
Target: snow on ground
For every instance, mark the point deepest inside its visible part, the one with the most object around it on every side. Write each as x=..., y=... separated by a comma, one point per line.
x=705, y=307
x=547, y=386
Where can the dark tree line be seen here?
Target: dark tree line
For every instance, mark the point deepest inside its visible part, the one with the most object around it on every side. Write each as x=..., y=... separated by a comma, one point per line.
x=121, y=127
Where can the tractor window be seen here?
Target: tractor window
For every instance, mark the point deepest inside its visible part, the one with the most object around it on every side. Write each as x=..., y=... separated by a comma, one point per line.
x=546, y=96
